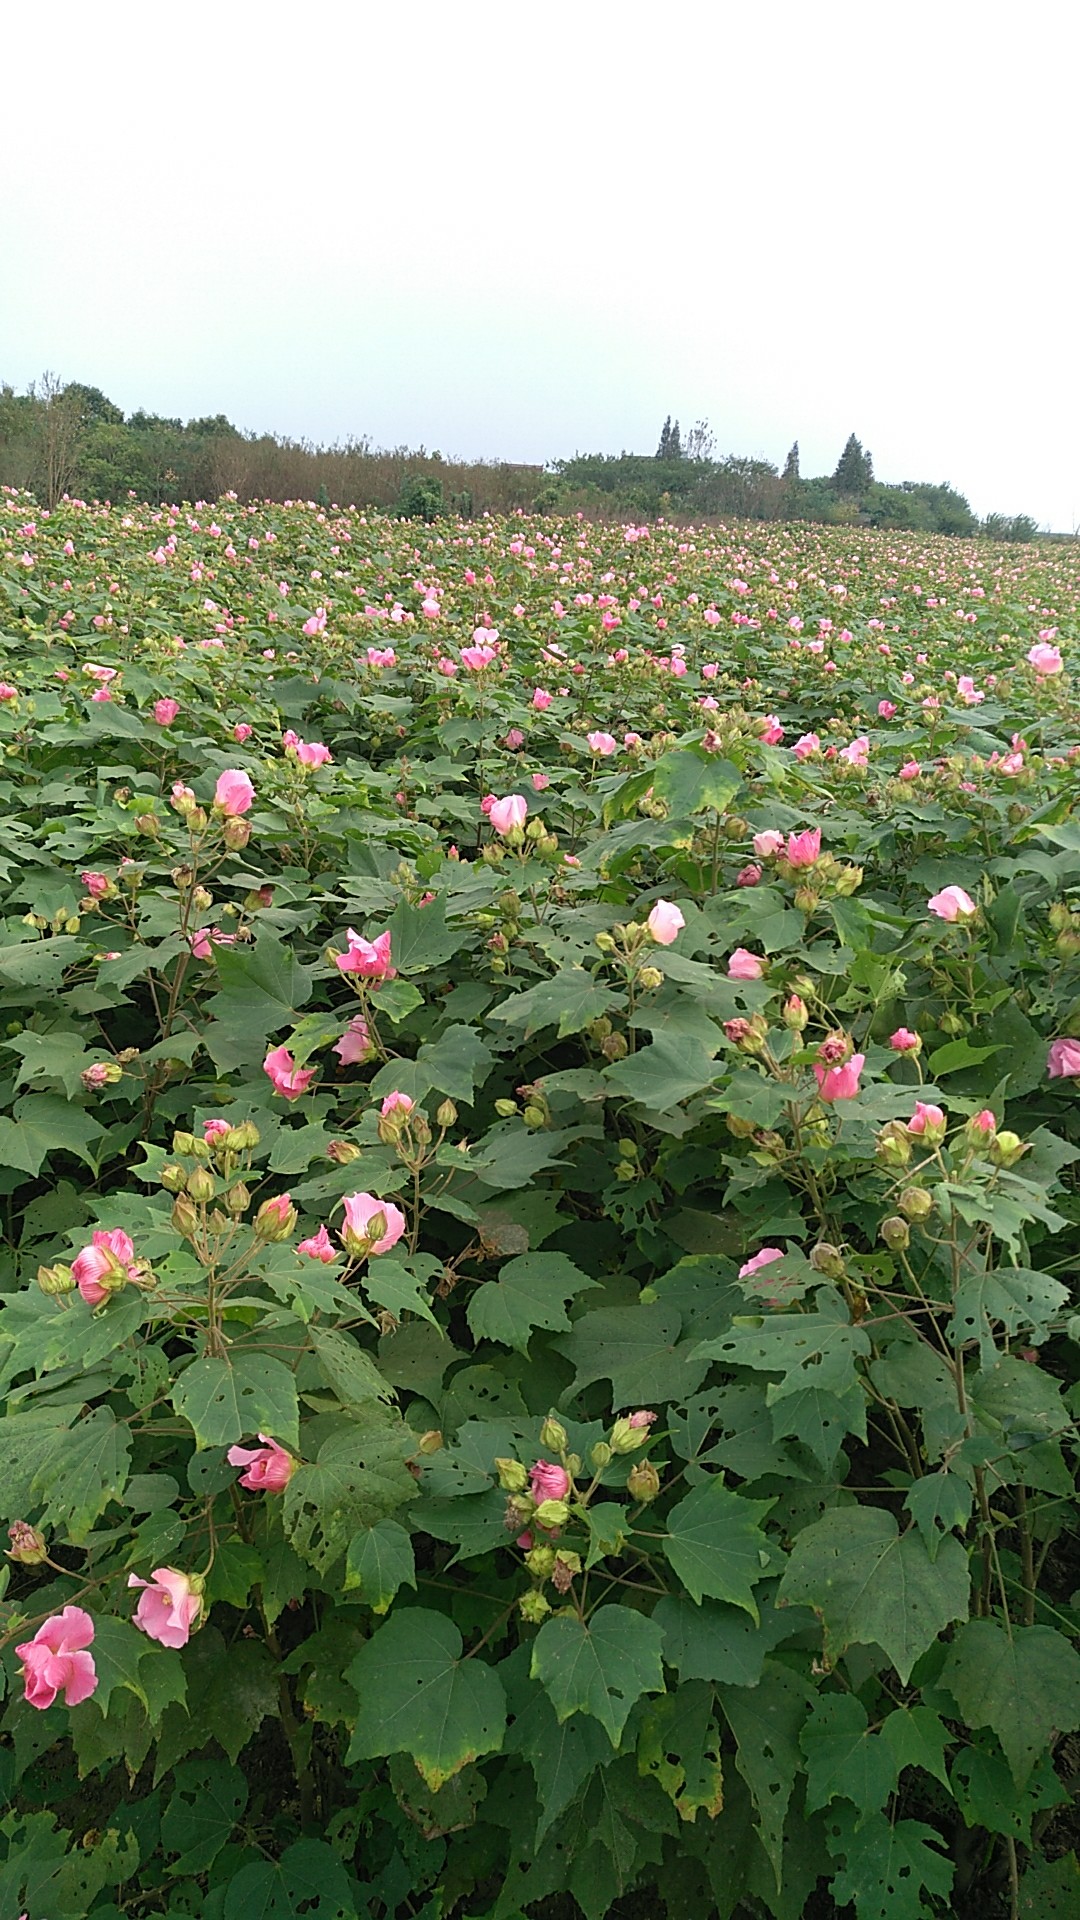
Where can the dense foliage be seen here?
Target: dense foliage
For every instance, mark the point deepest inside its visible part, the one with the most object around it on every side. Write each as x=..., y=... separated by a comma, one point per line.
x=538, y=1143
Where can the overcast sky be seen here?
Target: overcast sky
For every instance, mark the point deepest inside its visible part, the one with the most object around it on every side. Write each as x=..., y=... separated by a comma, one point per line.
x=525, y=232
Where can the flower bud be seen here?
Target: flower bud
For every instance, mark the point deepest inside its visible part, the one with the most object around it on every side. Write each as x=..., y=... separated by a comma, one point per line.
x=342, y=1151
x=445, y=1114
x=201, y=1184
x=28, y=1546
x=541, y=1561
x=1006, y=1149
x=173, y=1179
x=740, y=1128
x=807, y=899
x=828, y=1260
x=183, y=1143
x=629, y=1433
x=185, y=1220
x=600, y=1456
x=431, y=1442
x=553, y=1435
x=605, y=942
x=236, y=833
x=238, y=1200
x=533, y=1607
x=649, y=978
x=506, y=1109
x=241, y=1139
x=848, y=881
x=275, y=1220
x=552, y=1514
x=915, y=1203
x=893, y=1147
x=895, y=1234
x=795, y=1014
x=512, y=1476
x=55, y=1280
x=614, y=1047
x=643, y=1481
x=147, y=823
x=535, y=1117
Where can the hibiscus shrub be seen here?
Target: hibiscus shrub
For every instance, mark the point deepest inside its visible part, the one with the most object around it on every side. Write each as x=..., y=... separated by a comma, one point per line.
x=539, y=1150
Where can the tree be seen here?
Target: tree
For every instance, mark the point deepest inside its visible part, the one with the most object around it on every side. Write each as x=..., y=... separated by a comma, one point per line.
x=670, y=447
x=791, y=464
x=854, y=469
x=700, y=441
x=61, y=434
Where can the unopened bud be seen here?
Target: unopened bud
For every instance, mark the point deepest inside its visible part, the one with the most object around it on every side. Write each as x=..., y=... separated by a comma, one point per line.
x=605, y=942
x=184, y=1217
x=828, y=1260
x=552, y=1514
x=643, y=1481
x=28, y=1546
x=183, y=1143
x=848, y=881
x=201, y=1184
x=238, y=1200
x=203, y=899
x=534, y=1116
x=512, y=1476
x=1006, y=1148
x=55, y=1280
x=915, y=1203
x=147, y=823
x=893, y=1147
x=342, y=1151
x=431, y=1442
x=650, y=978
x=445, y=1114
x=506, y=1108
x=796, y=1014
x=173, y=1179
x=236, y=833
x=600, y=1456
x=894, y=1232
x=553, y=1435
x=629, y=1433
x=614, y=1047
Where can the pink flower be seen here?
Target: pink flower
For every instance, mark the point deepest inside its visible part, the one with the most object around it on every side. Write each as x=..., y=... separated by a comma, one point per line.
x=96, y=884
x=748, y=876
x=215, y=1130
x=507, y=814
x=1063, y=1060
x=745, y=966
x=234, y=793
x=952, y=903
x=540, y=781
x=886, y=710
x=984, y=1122
x=768, y=843
x=665, y=922
x=396, y=1103
x=109, y=1257
x=369, y=958
x=904, y=1041
x=287, y=1077
x=1045, y=659
x=602, y=743
x=927, y=1119
x=269, y=1467
x=355, y=1043
x=55, y=1660
x=541, y=698
x=318, y=1246
x=168, y=1606
x=514, y=739
x=165, y=712
x=762, y=1259
x=839, y=1083
x=772, y=732
x=312, y=753
x=242, y=732
x=857, y=753
x=910, y=770
x=640, y=1419
x=804, y=848
x=360, y=1210
x=477, y=658
x=547, y=1481
x=807, y=744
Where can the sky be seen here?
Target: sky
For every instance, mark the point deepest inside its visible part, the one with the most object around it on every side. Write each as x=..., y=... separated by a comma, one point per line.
x=524, y=233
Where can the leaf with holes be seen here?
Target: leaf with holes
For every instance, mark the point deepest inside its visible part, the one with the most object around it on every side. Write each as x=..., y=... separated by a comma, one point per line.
x=600, y=1667
x=530, y=1292
x=844, y=1758
x=209, y=1797
x=358, y=1477
x=715, y=1544
x=766, y=1721
x=887, y=1866
x=808, y=1349
x=1025, y=1686
x=418, y=1696
x=245, y=1393
x=378, y=1562
x=307, y=1883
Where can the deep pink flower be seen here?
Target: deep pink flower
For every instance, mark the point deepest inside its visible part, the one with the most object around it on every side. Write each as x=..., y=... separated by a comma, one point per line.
x=318, y=1246
x=748, y=876
x=56, y=1661
x=96, y=884
x=927, y=1121
x=910, y=770
x=547, y=1481
x=287, y=1077
x=1063, y=1060
x=744, y=965
x=168, y=1606
x=165, y=712
x=109, y=1257
x=242, y=732
x=269, y=1467
x=839, y=1083
x=369, y=958
x=984, y=1122
x=904, y=1041
x=803, y=849
x=886, y=710
x=214, y=1130
x=234, y=793
x=772, y=733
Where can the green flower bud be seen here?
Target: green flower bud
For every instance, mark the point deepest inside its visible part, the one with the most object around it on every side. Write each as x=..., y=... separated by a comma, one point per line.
x=506, y=1109
x=431, y=1442
x=649, y=978
x=275, y=1220
x=553, y=1435
x=201, y=1184
x=828, y=1260
x=894, y=1231
x=643, y=1481
x=185, y=1220
x=552, y=1514
x=173, y=1179
x=55, y=1280
x=446, y=1114
x=1006, y=1149
x=535, y=1117
x=600, y=1456
x=533, y=1607
x=915, y=1203
x=512, y=1476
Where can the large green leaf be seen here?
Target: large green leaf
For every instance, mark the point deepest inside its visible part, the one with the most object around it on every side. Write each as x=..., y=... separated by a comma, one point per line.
x=209, y=1797
x=530, y=1292
x=716, y=1642
x=766, y=1721
x=844, y=1758
x=715, y=1544
x=600, y=1667
x=307, y=1883
x=84, y=1472
x=378, y=1562
x=887, y=1866
x=238, y=1394
x=807, y=1349
x=692, y=782
x=358, y=1478
x=348, y=1367
x=1024, y=1684
x=872, y=1585
x=420, y=937
x=561, y=1753
x=418, y=1696
x=572, y=1000
x=45, y=1124
x=262, y=990
x=638, y=1349
x=673, y=1068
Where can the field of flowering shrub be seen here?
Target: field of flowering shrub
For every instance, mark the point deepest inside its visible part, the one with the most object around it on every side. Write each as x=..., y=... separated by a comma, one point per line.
x=538, y=1137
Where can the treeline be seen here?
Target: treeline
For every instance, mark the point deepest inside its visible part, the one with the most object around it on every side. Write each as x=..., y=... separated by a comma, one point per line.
x=62, y=438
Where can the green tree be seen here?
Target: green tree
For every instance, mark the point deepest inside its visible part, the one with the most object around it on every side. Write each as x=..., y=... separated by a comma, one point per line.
x=854, y=470
x=791, y=464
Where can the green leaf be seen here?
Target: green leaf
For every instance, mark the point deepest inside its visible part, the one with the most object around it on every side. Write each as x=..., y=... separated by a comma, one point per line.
x=766, y=1721
x=86, y=1471
x=937, y=1503
x=50, y=1056
x=956, y=1054
x=1025, y=1686
x=209, y=1798
x=918, y=1738
x=673, y=1068
x=231, y=1689
x=530, y=1292
x=420, y=937
x=348, y=1368
x=636, y=1348
x=307, y=1883
x=358, y=1478
x=118, y=1650
x=571, y=1001
x=715, y=1544
x=243, y=1393
x=562, y=1754
x=887, y=1865
x=692, y=782
x=871, y=1585
x=844, y=1758
x=679, y=1748
x=1015, y=1297
x=808, y=1349
x=418, y=1696
x=714, y=1642
x=457, y=1063
x=983, y=1787
x=601, y=1667
x=378, y=1562
x=43, y=1125
x=262, y=990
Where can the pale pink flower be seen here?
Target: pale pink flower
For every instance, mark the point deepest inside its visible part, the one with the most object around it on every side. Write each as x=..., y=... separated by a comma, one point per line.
x=886, y=710
x=804, y=848
x=355, y=1043
x=984, y=1122
x=665, y=922
x=768, y=843
x=541, y=698
x=744, y=965
x=540, y=781
x=369, y=958
x=927, y=1119
x=168, y=1606
x=1063, y=1060
x=96, y=884
x=806, y=744
x=287, y=1077
x=840, y=1083
x=360, y=1210
x=509, y=813
x=477, y=658
x=759, y=1260
x=396, y=1103
x=1045, y=659
x=602, y=743
x=234, y=793
x=56, y=1661
x=910, y=770
x=772, y=732
x=269, y=1467
x=214, y=1130
x=952, y=903
x=857, y=753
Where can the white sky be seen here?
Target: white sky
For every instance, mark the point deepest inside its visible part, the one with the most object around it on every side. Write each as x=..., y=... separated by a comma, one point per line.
x=524, y=232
